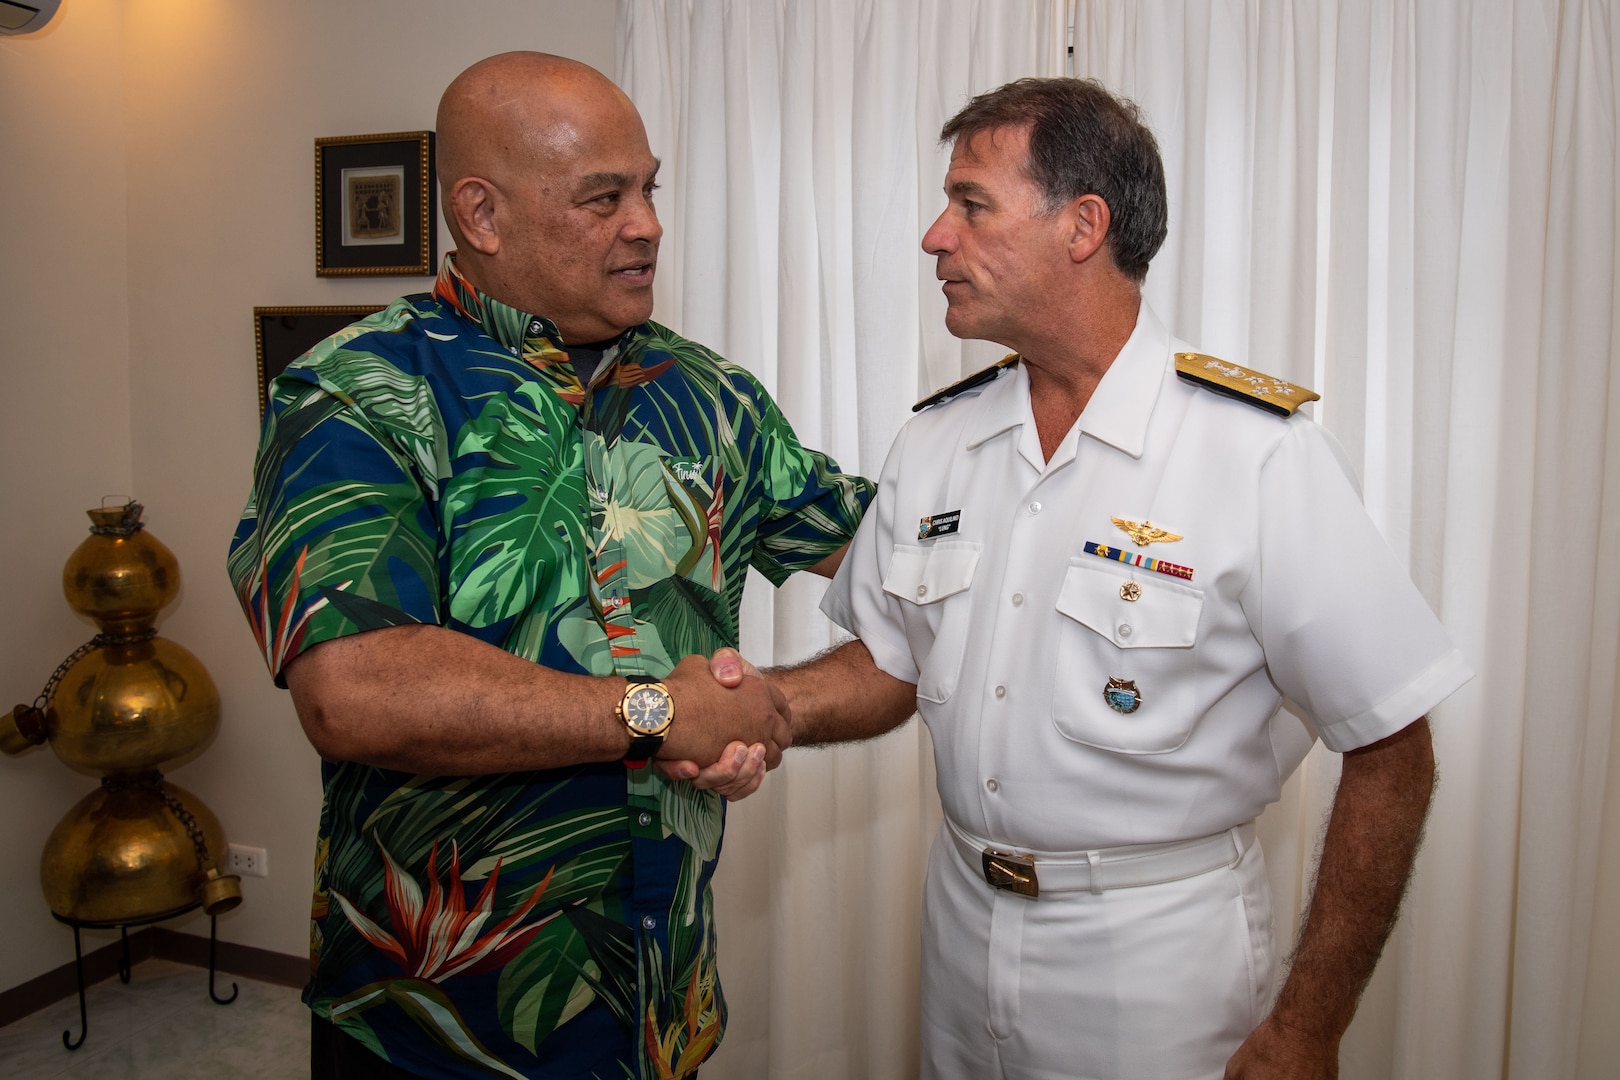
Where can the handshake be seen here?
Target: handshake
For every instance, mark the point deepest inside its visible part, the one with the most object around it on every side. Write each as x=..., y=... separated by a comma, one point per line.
x=728, y=716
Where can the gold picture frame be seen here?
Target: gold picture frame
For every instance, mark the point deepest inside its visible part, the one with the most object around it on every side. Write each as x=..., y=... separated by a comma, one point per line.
x=376, y=205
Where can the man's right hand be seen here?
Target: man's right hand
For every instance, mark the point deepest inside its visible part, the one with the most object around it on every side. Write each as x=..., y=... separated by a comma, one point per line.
x=709, y=717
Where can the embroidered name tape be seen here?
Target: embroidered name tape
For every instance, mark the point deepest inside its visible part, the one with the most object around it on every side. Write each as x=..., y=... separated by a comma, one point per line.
x=939, y=524
x=1146, y=562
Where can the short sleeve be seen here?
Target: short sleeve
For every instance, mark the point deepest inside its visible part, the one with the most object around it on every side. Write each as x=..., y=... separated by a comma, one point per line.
x=808, y=507
x=338, y=535
x=855, y=600
x=1346, y=634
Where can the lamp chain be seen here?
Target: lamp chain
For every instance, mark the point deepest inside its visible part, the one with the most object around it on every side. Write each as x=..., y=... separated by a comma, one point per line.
x=154, y=781
x=128, y=526
x=80, y=653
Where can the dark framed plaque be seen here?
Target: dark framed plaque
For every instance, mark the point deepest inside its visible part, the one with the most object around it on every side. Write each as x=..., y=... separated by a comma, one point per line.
x=283, y=334
x=375, y=205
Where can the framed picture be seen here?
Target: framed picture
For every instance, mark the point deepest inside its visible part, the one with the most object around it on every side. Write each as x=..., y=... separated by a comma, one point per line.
x=283, y=334
x=375, y=205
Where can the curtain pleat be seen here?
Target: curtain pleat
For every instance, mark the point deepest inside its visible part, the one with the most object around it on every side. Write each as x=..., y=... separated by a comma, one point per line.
x=1409, y=205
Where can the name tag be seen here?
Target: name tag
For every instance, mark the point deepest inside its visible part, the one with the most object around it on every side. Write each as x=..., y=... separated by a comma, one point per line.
x=939, y=524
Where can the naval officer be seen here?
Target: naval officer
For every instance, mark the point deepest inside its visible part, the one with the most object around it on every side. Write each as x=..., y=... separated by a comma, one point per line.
x=1097, y=570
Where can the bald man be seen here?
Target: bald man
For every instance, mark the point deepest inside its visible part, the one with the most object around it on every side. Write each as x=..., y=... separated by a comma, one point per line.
x=493, y=533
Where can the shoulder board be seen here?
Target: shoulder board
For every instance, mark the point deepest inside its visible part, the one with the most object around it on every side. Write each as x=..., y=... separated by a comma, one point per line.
x=978, y=378
x=1264, y=391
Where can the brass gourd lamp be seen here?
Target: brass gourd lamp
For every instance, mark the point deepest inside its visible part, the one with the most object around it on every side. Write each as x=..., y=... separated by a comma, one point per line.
x=138, y=849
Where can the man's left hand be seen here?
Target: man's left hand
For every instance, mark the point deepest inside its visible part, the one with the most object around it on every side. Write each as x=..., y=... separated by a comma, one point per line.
x=1275, y=1052
x=736, y=775
x=741, y=768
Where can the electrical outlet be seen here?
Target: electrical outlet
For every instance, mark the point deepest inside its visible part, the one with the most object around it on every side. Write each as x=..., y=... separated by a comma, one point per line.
x=247, y=861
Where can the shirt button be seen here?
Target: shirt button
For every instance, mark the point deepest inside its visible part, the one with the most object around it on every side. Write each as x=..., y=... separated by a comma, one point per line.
x=1018, y=599
x=922, y=590
x=649, y=923
x=645, y=819
x=1124, y=629
x=535, y=327
x=1034, y=507
x=992, y=784
x=1001, y=691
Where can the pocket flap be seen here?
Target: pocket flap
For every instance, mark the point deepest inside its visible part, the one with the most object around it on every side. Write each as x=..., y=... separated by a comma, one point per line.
x=1164, y=615
x=927, y=575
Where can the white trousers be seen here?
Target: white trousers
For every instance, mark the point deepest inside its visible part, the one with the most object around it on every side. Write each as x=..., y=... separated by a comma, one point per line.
x=1155, y=982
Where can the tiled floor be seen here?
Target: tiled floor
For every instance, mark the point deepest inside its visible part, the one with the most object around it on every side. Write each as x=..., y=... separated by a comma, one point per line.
x=162, y=1026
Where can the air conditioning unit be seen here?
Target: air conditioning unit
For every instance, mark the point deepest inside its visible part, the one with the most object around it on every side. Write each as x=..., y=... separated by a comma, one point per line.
x=17, y=17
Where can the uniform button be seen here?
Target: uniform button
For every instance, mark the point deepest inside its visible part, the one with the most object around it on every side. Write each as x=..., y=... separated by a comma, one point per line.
x=1018, y=599
x=649, y=923
x=1034, y=507
x=922, y=590
x=992, y=784
x=645, y=819
x=1001, y=691
x=1124, y=629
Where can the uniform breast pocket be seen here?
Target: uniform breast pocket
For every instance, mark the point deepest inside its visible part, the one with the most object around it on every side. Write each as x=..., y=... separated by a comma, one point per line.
x=932, y=585
x=1132, y=634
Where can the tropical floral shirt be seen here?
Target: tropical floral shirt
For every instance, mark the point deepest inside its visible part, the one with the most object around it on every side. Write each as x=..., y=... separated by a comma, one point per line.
x=439, y=462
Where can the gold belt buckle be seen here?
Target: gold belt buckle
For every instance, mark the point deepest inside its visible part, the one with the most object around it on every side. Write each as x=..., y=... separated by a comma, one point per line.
x=1013, y=873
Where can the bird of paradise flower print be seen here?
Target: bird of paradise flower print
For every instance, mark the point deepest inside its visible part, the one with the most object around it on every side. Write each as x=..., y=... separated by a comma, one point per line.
x=687, y=1040
x=439, y=936
x=440, y=463
x=434, y=937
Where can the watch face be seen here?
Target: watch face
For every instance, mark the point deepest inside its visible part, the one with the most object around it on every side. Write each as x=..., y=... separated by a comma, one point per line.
x=646, y=708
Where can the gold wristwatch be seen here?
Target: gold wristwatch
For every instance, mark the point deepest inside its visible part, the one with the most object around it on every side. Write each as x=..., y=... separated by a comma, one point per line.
x=646, y=711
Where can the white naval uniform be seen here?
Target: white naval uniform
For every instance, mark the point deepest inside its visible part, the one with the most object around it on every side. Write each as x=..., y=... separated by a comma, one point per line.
x=1011, y=632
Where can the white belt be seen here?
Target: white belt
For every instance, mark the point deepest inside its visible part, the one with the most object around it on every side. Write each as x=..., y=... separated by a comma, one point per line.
x=1034, y=874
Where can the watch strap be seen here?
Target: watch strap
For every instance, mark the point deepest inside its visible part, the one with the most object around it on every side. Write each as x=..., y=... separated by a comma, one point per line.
x=642, y=747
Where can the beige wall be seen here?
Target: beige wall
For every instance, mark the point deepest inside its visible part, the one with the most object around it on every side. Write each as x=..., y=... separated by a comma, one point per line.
x=65, y=411
x=155, y=185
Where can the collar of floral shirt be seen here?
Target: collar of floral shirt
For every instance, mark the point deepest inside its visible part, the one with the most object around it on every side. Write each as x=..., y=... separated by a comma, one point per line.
x=532, y=338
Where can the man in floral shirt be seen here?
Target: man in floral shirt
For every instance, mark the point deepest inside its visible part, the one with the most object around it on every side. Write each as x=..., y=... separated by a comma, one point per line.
x=478, y=518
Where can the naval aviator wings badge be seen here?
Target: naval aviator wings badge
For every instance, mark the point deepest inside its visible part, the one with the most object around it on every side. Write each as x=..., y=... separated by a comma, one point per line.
x=1143, y=533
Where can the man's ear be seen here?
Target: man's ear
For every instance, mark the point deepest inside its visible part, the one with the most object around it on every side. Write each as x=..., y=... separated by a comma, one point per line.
x=1089, y=218
x=472, y=203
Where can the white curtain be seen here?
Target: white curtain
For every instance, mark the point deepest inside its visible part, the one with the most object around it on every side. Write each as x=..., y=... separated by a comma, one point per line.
x=1409, y=205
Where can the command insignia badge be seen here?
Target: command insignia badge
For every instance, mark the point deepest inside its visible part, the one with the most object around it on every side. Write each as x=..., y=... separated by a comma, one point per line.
x=1122, y=695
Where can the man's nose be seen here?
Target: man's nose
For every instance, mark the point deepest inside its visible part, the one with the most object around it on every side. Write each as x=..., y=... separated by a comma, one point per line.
x=937, y=240
x=642, y=225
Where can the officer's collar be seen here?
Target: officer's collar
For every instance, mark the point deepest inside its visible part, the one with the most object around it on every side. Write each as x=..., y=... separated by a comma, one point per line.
x=1120, y=406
